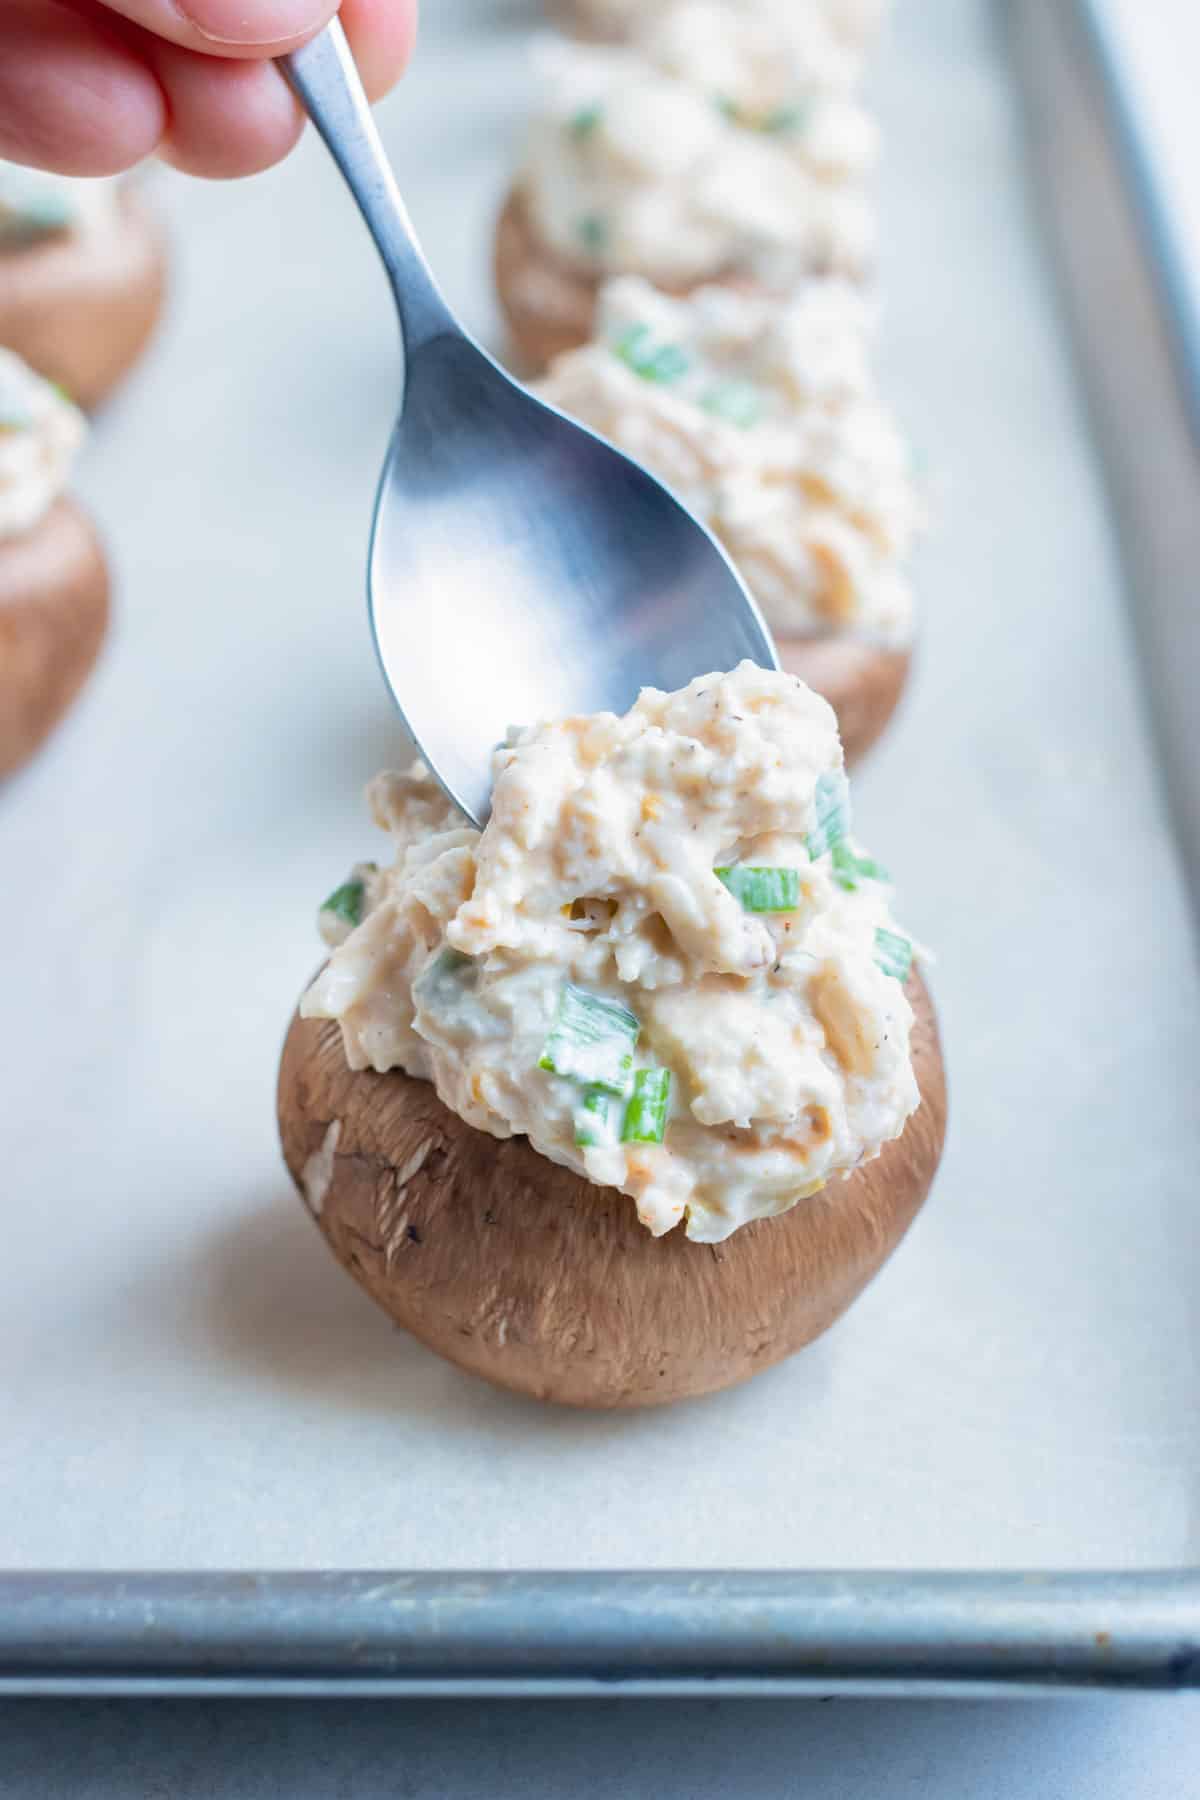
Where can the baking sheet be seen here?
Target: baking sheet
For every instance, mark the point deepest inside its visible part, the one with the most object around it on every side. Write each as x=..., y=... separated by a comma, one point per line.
x=191, y=1382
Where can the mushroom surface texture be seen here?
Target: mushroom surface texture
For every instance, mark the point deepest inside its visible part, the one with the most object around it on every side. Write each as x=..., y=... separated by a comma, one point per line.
x=665, y=972
x=53, y=576
x=82, y=278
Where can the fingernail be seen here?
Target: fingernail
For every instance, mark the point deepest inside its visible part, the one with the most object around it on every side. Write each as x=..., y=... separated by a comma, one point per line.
x=247, y=23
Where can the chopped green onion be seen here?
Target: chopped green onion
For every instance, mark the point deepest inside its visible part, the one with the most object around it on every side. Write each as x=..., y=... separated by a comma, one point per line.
x=646, y=1114
x=735, y=401
x=833, y=815
x=596, y=1118
x=347, y=901
x=593, y=232
x=850, y=869
x=893, y=953
x=448, y=968
x=787, y=118
x=664, y=362
x=762, y=890
x=582, y=123
x=780, y=120
x=591, y=1040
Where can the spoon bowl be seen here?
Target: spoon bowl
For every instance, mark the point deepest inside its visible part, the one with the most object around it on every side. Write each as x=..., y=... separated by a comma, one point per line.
x=521, y=567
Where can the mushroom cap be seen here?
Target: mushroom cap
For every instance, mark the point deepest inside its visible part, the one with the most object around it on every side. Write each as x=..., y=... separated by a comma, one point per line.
x=79, y=307
x=53, y=616
x=521, y=1271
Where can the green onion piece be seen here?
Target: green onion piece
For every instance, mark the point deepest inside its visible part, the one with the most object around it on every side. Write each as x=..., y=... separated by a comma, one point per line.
x=893, y=953
x=787, y=118
x=593, y=232
x=762, y=890
x=850, y=870
x=582, y=124
x=646, y=1114
x=833, y=815
x=664, y=362
x=725, y=103
x=448, y=967
x=735, y=401
x=591, y=1040
x=347, y=901
x=596, y=1119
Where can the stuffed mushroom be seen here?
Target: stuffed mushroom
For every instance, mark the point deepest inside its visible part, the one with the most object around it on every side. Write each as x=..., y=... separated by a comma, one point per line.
x=764, y=419
x=722, y=146
x=628, y=1095
x=82, y=276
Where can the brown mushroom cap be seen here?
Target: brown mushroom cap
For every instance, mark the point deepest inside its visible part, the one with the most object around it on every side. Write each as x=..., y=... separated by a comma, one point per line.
x=80, y=306
x=522, y=1272
x=861, y=680
x=53, y=614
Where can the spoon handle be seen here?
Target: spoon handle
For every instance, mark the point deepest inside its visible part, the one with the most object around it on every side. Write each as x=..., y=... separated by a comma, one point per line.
x=326, y=82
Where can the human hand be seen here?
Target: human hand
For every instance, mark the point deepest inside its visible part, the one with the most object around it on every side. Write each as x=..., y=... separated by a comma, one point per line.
x=88, y=88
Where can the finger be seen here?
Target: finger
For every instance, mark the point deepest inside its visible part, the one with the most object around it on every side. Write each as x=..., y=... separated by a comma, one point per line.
x=224, y=119
x=229, y=28
x=231, y=118
x=382, y=34
x=72, y=98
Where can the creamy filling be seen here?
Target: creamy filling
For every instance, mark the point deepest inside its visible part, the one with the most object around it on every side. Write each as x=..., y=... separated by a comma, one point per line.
x=36, y=205
x=763, y=418
x=852, y=22
x=40, y=433
x=721, y=144
x=663, y=961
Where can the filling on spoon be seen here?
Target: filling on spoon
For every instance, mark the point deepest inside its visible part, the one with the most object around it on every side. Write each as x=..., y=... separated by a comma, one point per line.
x=664, y=960
x=764, y=419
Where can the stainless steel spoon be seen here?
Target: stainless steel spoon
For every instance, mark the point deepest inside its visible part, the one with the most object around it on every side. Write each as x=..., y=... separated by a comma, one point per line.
x=520, y=567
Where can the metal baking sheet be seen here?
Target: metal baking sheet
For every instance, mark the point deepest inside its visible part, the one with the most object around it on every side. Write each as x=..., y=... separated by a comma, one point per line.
x=987, y=1473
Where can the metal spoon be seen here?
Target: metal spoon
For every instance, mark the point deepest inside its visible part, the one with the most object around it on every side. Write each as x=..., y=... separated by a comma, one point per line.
x=520, y=567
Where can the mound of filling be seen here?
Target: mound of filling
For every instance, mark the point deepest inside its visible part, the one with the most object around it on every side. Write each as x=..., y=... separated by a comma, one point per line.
x=764, y=420
x=36, y=205
x=40, y=432
x=853, y=22
x=722, y=142
x=665, y=960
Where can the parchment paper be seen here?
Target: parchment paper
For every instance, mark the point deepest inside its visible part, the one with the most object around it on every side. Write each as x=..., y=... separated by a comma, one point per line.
x=189, y=1380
